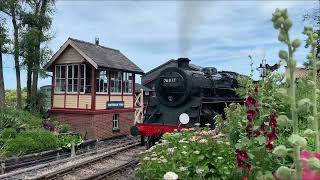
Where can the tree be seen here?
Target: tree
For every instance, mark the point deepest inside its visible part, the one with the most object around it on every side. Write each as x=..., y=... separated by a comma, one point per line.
x=13, y=8
x=37, y=23
x=3, y=41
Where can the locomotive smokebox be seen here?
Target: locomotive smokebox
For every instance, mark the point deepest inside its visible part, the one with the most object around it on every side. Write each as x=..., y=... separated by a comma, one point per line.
x=183, y=63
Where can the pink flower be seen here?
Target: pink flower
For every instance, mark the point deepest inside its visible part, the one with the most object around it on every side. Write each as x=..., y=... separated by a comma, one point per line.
x=250, y=101
x=308, y=174
x=251, y=114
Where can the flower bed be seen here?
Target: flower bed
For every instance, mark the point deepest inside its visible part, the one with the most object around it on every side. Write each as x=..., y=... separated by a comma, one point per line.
x=189, y=154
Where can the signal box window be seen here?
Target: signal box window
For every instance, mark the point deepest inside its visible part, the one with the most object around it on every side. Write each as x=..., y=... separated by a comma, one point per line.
x=116, y=85
x=115, y=122
x=72, y=78
x=102, y=82
x=60, y=79
x=127, y=82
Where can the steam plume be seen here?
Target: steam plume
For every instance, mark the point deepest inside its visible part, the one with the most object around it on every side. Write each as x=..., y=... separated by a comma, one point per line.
x=190, y=18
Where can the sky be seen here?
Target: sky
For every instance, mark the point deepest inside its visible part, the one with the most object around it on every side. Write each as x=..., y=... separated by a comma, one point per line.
x=211, y=33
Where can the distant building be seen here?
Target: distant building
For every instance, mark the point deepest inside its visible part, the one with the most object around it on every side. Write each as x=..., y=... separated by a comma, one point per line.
x=300, y=72
x=149, y=78
x=47, y=90
x=146, y=92
x=93, y=89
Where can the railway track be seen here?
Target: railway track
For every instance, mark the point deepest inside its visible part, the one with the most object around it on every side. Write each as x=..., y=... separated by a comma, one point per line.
x=99, y=165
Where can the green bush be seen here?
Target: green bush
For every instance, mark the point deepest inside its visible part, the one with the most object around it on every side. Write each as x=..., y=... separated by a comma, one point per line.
x=191, y=155
x=18, y=119
x=31, y=141
x=8, y=133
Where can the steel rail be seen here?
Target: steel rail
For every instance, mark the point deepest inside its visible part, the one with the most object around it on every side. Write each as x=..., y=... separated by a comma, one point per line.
x=111, y=172
x=67, y=170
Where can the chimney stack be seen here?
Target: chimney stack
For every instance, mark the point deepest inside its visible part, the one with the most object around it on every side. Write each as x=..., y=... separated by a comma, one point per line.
x=183, y=63
x=96, y=41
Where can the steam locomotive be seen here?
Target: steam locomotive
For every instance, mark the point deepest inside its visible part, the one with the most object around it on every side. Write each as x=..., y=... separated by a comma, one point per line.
x=183, y=92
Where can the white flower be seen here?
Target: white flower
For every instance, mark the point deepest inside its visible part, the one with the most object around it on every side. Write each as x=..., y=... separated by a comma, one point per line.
x=196, y=152
x=184, y=146
x=183, y=141
x=203, y=141
x=219, y=157
x=153, y=155
x=184, y=152
x=146, y=158
x=199, y=171
x=171, y=151
x=164, y=161
x=197, y=124
x=181, y=169
x=154, y=159
x=170, y=176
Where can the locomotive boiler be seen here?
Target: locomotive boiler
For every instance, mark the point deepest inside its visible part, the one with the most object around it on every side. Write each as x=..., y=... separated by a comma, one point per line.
x=180, y=90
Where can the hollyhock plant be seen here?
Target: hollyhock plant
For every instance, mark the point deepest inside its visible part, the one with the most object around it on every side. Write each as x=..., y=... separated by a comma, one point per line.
x=251, y=114
x=309, y=173
x=250, y=101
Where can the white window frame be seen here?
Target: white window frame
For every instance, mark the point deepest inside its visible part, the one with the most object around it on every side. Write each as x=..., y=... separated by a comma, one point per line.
x=98, y=78
x=121, y=80
x=125, y=77
x=72, y=78
x=115, y=122
x=60, y=78
x=84, y=78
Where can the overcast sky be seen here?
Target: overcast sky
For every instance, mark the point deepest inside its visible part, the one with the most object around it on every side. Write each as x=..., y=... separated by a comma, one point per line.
x=213, y=33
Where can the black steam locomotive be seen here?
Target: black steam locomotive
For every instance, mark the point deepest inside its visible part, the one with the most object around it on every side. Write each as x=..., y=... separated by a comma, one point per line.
x=199, y=94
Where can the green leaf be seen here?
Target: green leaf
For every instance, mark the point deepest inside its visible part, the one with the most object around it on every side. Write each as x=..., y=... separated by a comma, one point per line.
x=238, y=146
x=261, y=140
x=251, y=156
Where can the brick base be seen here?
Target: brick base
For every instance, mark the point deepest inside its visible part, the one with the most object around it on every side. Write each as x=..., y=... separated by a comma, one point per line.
x=96, y=126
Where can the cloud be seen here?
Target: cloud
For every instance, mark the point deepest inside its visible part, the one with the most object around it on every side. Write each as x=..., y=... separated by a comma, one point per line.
x=146, y=32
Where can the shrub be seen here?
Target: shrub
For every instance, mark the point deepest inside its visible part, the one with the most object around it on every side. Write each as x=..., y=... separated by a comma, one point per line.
x=191, y=155
x=65, y=140
x=31, y=141
x=18, y=119
x=8, y=133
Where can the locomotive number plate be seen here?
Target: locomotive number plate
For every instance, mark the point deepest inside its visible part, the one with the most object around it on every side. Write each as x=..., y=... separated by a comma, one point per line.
x=169, y=80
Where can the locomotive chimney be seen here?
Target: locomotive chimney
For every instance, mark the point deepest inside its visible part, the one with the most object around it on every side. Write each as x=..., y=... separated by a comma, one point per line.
x=183, y=63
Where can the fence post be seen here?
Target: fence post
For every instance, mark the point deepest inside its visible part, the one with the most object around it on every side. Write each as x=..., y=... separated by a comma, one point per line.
x=73, y=150
x=3, y=166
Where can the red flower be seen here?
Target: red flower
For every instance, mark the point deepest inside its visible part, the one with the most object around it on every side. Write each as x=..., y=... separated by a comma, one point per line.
x=241, y=155
x=273, y=121
x=256, y=133
x=263, y=127
x=269, y=146
x=271, y=136
x=244, y=178
x=251, y=114
x=249, y=128
x=250, y=101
